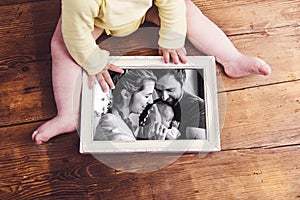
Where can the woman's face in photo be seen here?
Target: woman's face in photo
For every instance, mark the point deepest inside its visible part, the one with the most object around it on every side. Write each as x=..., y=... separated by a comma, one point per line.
x=142, y=98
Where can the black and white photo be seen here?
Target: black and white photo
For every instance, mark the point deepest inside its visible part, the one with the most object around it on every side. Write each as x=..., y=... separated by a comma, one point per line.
x=153, y=107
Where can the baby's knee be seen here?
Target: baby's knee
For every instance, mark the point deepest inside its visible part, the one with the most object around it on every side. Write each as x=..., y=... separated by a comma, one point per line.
x=56, y=41
x=57, y=46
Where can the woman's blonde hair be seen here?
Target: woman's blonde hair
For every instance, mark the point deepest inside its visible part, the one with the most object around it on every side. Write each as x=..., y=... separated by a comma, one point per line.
x=132, y=81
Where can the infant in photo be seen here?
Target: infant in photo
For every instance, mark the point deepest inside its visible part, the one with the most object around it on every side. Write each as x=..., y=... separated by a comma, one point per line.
x=167, y=114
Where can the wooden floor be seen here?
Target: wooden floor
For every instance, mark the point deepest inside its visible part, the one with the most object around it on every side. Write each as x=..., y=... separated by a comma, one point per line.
x=260, y=135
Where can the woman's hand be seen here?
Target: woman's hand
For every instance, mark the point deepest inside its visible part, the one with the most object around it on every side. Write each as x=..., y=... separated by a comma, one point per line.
x=104, y=77
x=157, y=131
x=177, y=55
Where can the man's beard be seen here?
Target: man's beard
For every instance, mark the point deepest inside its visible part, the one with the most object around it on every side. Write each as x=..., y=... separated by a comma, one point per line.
x=172, y=101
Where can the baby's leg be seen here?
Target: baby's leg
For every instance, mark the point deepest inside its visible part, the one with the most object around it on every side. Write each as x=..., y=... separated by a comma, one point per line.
x=65, y=79
x=211, y=40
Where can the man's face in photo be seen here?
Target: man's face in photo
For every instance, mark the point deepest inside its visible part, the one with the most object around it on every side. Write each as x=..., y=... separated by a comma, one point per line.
x=168, y=88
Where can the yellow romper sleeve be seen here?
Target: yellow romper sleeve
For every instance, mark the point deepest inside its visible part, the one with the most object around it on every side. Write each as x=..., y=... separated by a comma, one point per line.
x=173, y=26
x=77, y=26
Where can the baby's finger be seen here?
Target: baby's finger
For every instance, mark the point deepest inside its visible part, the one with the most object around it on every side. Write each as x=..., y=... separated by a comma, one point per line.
x=166, y=56
x=162, y=132
x=108, y=79
x=102, y=82
x=114, y=68
x=182, y=58
x=181, y=52
x=91, y=81
x=160, y=51
x=174, y=56
x=157, y=131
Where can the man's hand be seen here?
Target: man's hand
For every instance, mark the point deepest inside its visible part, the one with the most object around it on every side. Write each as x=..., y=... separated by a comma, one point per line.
x=177, y=55
x=104, y=77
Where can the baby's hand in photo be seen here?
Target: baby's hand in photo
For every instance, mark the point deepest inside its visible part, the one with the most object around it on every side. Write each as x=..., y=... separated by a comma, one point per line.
x=176, y=55
x=104, y=78
x=175, y=124
x=160, y=131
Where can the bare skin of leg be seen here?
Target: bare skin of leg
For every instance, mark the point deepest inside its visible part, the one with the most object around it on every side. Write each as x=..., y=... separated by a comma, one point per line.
x=211, y=40
x=65, y=79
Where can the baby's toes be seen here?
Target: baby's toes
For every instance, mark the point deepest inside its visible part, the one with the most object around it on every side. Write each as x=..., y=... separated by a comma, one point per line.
x=34, y=135
x=263, y=68
x=40, y=138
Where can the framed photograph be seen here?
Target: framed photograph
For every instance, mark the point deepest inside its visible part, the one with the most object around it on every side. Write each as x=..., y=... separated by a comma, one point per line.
x=154, y=107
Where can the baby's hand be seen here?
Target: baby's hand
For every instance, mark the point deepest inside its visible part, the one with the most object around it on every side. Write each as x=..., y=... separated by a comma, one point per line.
x=159, y=130
x=177, y=55
x=175, y=124
x=104, y=77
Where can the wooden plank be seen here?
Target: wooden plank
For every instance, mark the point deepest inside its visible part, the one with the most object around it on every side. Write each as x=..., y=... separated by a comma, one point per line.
x=44, y=172
x=26, y=30
x=261, y=116
x=14, y=2
x=250, y=16
x=27, y=93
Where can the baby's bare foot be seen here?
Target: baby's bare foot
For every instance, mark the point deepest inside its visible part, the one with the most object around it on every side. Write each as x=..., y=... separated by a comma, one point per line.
x=246, y=65
x=56, y=126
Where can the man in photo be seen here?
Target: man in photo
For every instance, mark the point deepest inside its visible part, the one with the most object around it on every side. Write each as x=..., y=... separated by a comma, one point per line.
x=189, y=108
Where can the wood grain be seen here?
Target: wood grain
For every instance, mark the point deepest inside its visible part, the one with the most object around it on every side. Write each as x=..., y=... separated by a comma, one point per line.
x=251, y=16
x=14, y=2
x=264, y=116
x=260, y=133
x=27, y=95
x=26, y=30
x=34, y=172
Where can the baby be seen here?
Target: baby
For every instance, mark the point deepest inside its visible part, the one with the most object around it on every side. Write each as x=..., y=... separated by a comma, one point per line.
x=73, y=47
x=167, y=115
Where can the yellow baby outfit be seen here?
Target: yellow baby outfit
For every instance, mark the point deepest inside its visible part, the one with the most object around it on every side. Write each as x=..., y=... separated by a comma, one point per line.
x=118, y=18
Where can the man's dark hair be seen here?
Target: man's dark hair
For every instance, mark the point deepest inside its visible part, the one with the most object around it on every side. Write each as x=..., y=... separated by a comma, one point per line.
x=179, y=74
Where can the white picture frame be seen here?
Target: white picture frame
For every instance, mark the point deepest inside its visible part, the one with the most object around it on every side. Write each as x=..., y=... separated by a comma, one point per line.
x=204, y=65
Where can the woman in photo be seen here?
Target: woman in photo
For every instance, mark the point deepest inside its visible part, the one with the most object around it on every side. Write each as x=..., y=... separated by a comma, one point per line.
x=133, y=92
